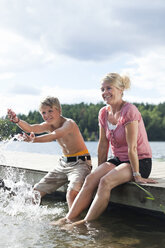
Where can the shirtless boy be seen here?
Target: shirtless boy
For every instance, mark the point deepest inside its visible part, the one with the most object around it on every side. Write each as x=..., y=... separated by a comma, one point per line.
x=75, y=163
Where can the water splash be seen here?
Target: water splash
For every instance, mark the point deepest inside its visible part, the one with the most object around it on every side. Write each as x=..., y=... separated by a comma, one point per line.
x=18, y=195
x=21, y=200
x=4, y=144
x=16, y=137
x=20, y=192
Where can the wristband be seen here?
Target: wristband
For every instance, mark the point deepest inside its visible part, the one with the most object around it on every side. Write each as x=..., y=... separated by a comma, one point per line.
x=135, y=174
x=16, y=122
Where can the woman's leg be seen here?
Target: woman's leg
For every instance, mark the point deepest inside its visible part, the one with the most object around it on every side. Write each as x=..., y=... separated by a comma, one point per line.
x=119, y=175
x=84, y=197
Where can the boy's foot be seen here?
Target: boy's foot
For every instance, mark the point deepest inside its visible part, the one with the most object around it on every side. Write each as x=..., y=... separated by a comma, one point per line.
x=70, y=226
x=59, y=222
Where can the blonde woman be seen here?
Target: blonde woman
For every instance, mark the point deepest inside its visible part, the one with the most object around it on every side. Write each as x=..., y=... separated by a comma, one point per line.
x=122, y=126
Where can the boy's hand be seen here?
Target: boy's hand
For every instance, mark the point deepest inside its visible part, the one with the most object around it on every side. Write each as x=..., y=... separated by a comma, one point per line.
x=28, y=138
x=12, y=116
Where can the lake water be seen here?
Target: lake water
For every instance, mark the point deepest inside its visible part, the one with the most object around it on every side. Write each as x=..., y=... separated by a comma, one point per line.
x=24, y=225
x=158, y=148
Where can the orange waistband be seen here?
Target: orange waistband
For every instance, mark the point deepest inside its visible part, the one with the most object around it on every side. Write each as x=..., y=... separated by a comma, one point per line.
x=77, y=154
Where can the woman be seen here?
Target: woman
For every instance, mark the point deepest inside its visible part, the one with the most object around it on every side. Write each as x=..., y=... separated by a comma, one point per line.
x=122, y=126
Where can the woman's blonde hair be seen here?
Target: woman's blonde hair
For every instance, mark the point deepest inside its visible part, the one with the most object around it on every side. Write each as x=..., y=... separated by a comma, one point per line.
x=51, y=101
x=120, y=82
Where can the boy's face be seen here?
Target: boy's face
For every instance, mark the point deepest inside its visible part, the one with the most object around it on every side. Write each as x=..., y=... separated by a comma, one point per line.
x=49, y=114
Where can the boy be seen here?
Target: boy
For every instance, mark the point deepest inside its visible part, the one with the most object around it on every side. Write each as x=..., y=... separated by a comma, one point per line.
x=75, y=164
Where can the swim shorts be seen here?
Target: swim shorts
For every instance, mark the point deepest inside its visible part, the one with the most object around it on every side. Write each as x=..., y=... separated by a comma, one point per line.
x=64, y=172
x=145, y=165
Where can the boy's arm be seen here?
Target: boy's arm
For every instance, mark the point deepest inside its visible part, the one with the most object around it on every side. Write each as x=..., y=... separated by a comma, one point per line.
x=57, y=134
x=36, y=128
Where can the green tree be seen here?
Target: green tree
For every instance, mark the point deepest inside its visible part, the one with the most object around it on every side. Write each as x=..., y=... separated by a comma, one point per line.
x=86, y=117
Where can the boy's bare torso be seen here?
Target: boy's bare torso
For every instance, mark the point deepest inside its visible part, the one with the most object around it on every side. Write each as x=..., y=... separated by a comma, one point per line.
x=70, y=140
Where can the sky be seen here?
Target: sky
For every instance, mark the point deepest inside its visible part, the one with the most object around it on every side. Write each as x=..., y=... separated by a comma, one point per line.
x=63, y=48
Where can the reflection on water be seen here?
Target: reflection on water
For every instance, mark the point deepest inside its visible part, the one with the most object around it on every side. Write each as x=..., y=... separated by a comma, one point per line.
x=26, y=225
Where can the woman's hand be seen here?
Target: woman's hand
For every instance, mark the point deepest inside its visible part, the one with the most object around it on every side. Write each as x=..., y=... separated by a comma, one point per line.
x=139, y=179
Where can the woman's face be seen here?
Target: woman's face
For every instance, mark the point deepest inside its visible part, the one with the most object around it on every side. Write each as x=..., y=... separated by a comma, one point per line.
x=110, y=94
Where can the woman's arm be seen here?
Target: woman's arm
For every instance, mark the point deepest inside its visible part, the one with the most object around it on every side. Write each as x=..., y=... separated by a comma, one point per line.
x=103, y=146
x=131, y=130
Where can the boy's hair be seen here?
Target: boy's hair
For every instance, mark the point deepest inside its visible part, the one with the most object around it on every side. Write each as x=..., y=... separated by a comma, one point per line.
x=51, y=101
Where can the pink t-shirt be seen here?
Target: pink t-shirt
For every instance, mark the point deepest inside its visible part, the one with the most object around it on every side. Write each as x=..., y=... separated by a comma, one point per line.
x=117, y=137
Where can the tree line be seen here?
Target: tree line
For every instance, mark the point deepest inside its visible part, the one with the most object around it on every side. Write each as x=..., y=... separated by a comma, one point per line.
x=86, y=116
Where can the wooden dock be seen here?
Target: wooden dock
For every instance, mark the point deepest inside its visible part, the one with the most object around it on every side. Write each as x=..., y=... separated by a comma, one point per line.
x=35, y=166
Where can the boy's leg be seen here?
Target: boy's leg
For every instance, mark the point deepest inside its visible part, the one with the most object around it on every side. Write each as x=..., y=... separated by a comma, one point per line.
x=51, y=181
x=42, y=194
x=77, y=173
x=70, y=196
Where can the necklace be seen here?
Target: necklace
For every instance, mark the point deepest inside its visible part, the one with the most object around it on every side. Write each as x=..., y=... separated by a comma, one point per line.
x=114, y=117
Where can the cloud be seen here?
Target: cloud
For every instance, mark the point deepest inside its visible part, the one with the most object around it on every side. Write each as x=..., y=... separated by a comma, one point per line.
x=97, y=31
x=87, y=30
x=17, y=52
x=22, y=101
x=6, y=75
x=19, y=89
x=74, y=43
x=147, y=72
x=69, y=96
x=19, y=103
